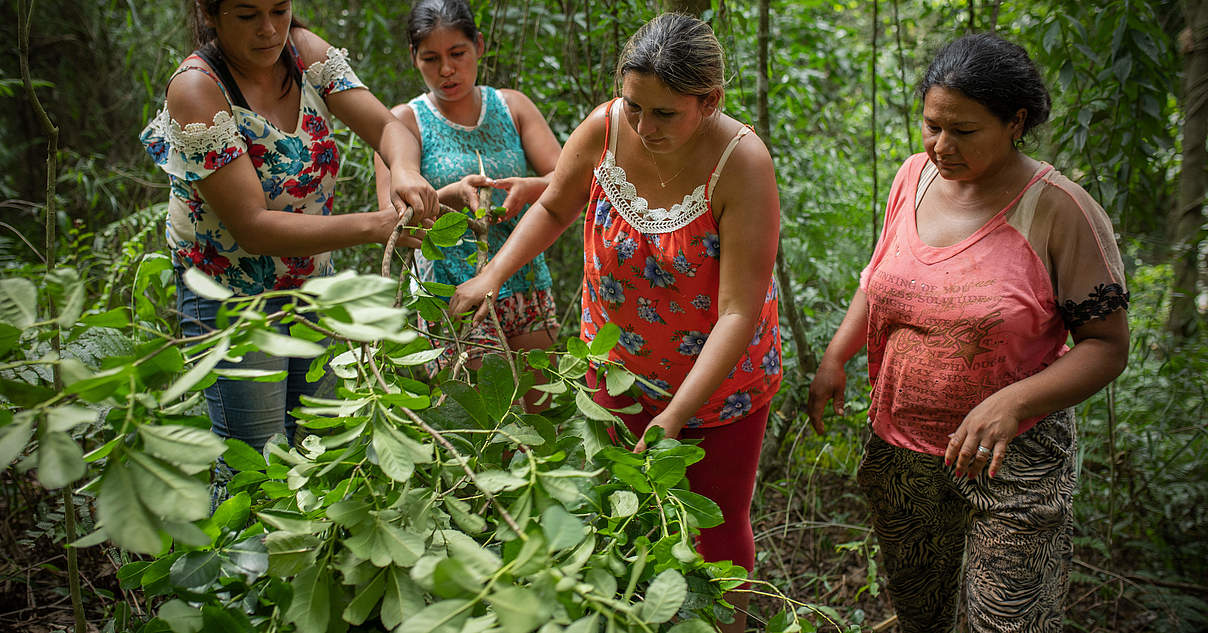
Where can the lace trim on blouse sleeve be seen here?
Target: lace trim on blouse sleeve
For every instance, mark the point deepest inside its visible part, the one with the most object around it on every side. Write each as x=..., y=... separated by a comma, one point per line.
x=334, y=74
x=195, y=150
x=1104, y=300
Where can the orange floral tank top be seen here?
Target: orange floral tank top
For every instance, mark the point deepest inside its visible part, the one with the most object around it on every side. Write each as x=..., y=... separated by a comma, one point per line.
x=655, y=273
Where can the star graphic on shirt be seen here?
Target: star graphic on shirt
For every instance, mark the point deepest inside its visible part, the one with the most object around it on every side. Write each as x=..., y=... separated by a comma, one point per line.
x=968, y=349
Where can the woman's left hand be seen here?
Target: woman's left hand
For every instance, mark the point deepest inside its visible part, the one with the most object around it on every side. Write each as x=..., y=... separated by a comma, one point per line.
x=982, y=437
x=671, y=428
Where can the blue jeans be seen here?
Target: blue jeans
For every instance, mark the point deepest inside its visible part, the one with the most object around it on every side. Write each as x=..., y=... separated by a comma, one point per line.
x=243, y=409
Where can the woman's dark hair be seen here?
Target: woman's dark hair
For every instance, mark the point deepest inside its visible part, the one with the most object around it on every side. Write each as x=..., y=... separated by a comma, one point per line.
x=680, y=50
x=429, y=15
x=993, y=72
x=204, y=36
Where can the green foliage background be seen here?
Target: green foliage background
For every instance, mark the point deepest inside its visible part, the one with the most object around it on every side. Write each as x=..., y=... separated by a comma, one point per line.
x=1114, y=70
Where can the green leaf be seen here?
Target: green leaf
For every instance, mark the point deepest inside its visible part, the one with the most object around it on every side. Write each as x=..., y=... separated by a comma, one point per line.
x=451, y=579
x=667, y=470
x=221, y=619
x=383, y=543
x=182, y=444
x=703, y=509
x=499, y=480
x=519, y=610
x=15, y=436
x=577, y=348
x=562, y=529
x=402, y=598
x=67, y=417
x=60, y=460
x=291, y=521
x=9, y=336
x=392, y=457
x=479, y=561
x=71, y=309
x=606, y=338
x=592, y=410
x=285, y=346
x=181, y=617
x=18, y=302
x=311, y=606
x=418, y=358
x=289, y=553
x=696, y=625
x=463, y=515
x=445, y=616
x=663, y=597
x=247, y=559
x=430, y=250
x=115, y=318
x=618, y=380
x=230, y=515
x=195, y=570
x=585, y=624
x=471, y=400
x=167, y=491
x=624, y=503
x=199, y=371
x=242, y=457
x=205, y=286
x=497, y=386
x=186, y=533
x=366, y=599
x=448, y=229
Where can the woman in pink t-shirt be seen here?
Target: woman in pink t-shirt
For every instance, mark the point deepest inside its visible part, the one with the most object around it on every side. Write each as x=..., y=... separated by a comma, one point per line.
x=979, y=276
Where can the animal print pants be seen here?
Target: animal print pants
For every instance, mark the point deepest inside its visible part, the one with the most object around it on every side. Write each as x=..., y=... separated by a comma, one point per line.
x=1012, y=534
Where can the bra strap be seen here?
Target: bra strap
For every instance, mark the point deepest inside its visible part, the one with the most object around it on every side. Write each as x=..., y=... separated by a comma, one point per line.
x=721, y=162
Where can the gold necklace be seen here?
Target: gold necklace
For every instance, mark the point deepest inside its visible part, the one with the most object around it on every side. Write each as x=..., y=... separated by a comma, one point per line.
x=658, y=172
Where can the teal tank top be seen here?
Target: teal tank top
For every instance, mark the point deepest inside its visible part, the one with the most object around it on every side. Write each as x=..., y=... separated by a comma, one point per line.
x=448, y=156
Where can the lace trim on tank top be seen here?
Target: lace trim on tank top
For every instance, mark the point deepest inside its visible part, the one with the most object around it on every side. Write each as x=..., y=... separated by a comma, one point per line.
x=636, y=209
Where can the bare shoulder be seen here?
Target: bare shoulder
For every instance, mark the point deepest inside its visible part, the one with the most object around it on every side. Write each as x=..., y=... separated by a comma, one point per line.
x=311, y=47
x=194, y=96
x=748, y=172
x=517, y=100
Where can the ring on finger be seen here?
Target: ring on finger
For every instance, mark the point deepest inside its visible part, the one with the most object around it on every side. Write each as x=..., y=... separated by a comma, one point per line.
x=982, y=451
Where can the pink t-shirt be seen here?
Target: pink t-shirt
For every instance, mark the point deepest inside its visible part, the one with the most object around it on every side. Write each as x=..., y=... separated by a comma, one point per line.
x=948, y=326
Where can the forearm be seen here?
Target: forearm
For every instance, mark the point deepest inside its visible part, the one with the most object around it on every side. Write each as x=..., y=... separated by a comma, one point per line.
x=1071, y=379
x=726, y=344
x=852, y=333
x=285, y=234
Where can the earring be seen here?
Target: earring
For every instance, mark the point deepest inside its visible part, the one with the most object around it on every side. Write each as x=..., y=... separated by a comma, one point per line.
x=1017, y=143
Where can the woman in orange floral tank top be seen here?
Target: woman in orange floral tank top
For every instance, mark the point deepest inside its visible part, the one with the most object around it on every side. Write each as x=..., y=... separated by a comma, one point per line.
x=679, y=243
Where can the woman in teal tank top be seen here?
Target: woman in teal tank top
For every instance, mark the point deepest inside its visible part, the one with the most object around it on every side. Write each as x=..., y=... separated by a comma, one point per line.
x=457, y=121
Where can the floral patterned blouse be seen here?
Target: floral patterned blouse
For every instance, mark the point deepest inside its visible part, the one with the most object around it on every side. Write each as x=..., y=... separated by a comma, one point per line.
x=655, y=272
x=297, y=171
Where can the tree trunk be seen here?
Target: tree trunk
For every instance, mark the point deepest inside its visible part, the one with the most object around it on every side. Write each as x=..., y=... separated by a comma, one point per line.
x=1187, y=218
x=694, y=7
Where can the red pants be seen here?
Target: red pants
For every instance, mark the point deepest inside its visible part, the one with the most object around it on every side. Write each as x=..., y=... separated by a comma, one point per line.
x=726, y=475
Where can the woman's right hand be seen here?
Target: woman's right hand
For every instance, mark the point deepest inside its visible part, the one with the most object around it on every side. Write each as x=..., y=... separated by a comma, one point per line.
x=830, y=383
x=473, y=293
x=464, y=192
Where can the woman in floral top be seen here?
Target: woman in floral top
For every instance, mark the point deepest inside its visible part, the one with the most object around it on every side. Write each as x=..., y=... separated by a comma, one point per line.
x=679, y=243
x=245, y=140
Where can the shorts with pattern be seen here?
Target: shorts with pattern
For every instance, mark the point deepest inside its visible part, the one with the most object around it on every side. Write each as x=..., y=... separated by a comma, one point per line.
x=1011, y=534
x=519, y=313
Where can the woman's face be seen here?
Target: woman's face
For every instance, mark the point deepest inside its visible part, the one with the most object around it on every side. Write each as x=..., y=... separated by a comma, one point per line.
x=448, y=62
x=662, y=117
x=252, y=33
x=963, y=138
